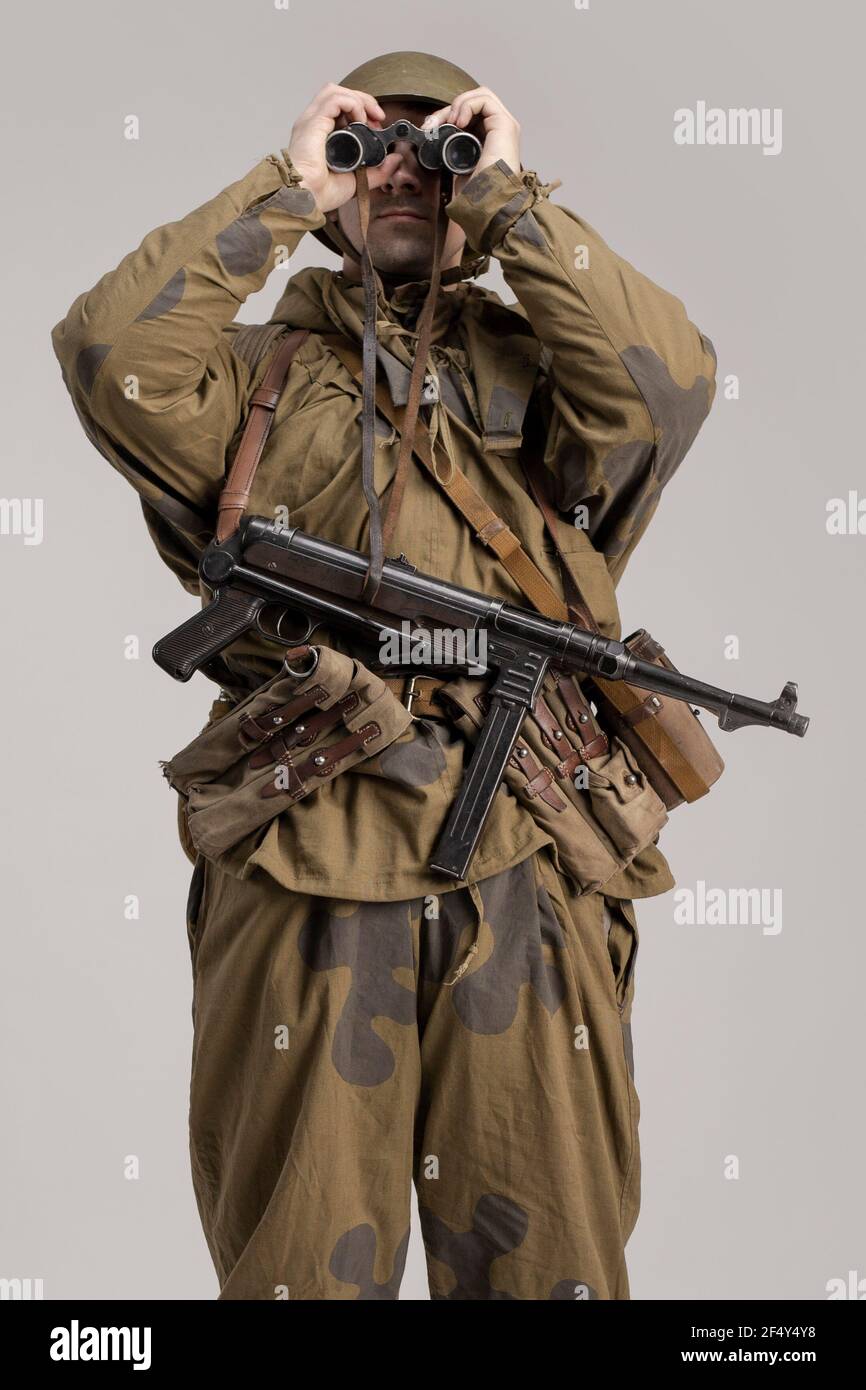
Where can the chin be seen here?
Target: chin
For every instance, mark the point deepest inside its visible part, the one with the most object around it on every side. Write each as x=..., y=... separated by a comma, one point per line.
x=410, y=270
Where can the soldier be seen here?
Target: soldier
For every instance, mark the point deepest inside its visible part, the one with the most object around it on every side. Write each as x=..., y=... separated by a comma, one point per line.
x=474, y=1038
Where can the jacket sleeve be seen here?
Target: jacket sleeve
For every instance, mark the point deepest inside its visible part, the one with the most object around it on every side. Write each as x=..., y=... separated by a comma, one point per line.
x=146, y=354
x=629, y=378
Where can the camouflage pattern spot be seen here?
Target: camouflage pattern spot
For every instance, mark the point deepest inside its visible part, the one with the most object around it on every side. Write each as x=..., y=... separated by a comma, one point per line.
x=627, y=469
x=478, y=187
x=353, y=1261
x=677, y=413
x=170, y=295
x=373, y=941
x=572, y=1291
x=244, y=246
x=297, y=202
x=522, y=921
x=498, y=1227
x=621, y=492
x=570, y=472
x=504, y=413
x=88, y=362
x=612, y=542
x=418, y=763
x=527, y=229
x=442, y=934
x=505, y=217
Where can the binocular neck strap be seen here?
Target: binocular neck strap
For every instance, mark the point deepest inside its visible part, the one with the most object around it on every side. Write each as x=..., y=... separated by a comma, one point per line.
x=382, y=533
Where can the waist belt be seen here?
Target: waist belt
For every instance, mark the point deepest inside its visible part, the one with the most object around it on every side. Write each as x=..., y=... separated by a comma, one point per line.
x=418, y=694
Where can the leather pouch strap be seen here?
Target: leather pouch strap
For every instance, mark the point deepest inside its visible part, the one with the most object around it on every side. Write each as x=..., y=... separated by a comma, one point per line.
x=321, y=764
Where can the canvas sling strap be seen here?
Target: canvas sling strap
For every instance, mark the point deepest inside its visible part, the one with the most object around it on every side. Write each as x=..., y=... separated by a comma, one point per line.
x=493, y=532
x=235, y=495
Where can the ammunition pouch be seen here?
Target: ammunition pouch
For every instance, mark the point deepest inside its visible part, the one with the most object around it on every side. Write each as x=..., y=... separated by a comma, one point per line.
x=590, y=795
x=295, y=733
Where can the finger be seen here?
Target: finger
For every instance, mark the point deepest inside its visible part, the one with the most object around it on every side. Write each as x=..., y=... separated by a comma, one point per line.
x=436, y=118
x=372, y=107
x=336, y=101
x=465, y=108
x=473, y=95
x=336, y=105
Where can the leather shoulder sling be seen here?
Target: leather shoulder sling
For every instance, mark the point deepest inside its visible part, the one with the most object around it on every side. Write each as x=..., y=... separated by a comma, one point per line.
x=235, y=494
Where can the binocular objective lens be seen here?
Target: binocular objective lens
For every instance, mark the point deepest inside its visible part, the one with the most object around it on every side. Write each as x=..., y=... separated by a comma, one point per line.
x=460, y=153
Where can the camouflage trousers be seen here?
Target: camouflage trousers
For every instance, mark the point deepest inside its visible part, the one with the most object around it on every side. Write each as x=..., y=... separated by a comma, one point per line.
x=476, y=1043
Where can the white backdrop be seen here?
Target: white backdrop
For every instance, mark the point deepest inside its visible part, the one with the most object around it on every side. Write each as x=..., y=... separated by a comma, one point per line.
x=748, y=1044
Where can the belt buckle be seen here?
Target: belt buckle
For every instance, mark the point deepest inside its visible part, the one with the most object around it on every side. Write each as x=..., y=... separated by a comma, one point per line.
x=410, y=693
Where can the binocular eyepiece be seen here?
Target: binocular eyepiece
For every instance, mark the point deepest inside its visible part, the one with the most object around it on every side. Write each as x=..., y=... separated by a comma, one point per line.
x=447, y=147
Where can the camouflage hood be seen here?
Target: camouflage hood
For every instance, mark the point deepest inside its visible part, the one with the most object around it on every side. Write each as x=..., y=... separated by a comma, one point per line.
x=325, y=300
x=470, y=328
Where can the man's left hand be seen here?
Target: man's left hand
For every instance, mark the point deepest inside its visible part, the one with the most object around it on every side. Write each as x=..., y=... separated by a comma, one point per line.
x=501, y=130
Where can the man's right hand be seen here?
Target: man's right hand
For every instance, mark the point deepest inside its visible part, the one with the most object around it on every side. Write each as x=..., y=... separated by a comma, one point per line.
x=331, y=106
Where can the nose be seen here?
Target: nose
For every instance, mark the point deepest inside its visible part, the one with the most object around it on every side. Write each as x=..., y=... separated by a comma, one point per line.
x=408, y=172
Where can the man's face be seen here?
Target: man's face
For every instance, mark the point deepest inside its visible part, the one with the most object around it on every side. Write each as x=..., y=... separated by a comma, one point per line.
x=403, y=211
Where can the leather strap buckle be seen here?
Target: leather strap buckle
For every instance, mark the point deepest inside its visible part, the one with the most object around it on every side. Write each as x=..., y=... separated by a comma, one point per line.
x=410, y=693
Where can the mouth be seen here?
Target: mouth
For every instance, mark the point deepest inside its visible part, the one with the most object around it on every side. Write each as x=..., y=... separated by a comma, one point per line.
x=402, y=215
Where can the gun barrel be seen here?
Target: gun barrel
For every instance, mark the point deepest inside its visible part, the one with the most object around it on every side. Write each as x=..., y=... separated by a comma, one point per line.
x=734, y=711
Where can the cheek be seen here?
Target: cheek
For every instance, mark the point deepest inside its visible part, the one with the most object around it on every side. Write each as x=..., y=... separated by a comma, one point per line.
x=348, y=221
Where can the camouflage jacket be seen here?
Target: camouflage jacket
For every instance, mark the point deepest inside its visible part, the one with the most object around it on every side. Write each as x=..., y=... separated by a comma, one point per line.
x=621, y=377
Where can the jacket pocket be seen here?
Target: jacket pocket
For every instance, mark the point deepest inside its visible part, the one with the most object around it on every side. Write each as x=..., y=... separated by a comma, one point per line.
x=623, y=941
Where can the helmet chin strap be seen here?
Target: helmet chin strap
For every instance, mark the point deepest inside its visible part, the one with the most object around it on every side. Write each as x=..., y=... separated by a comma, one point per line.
x=381, y=532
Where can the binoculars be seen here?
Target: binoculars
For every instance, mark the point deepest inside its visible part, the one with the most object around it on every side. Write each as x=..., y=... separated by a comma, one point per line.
x=446, y=147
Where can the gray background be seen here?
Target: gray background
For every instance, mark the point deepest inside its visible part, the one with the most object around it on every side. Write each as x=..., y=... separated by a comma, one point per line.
x=746, y=1044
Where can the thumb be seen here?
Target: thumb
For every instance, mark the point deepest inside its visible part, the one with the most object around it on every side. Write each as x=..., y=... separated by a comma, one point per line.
x=377, y=174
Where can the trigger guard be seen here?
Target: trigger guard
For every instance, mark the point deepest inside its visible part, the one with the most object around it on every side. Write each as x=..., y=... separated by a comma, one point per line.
x=277, y=635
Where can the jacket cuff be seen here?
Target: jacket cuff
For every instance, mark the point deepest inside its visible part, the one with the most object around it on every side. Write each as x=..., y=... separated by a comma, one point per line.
x=288, y=173
x=287, y=195
x=492, y=201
